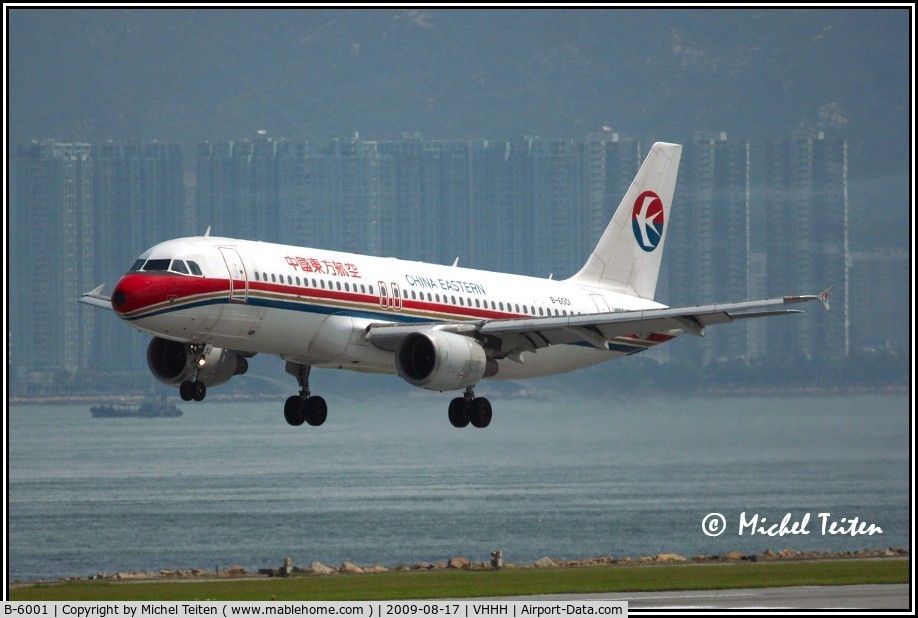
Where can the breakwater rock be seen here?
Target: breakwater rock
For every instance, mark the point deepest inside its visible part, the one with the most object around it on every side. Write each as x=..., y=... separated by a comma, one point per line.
x=463, y=563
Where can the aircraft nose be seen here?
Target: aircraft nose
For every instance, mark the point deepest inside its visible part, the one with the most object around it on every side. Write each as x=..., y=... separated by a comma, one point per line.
x=129, y=294
x=118, y=298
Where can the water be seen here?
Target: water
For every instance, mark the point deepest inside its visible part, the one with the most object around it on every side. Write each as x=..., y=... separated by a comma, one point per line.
x=391, y=482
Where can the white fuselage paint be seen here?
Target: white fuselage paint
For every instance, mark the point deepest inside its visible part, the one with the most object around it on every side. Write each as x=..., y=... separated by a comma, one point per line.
x=312, y=306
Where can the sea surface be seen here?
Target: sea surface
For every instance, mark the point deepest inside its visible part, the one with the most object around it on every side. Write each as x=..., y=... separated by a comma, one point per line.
x=389, y=481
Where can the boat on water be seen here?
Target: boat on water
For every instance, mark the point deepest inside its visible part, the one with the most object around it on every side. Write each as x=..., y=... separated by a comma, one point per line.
x=151, y=407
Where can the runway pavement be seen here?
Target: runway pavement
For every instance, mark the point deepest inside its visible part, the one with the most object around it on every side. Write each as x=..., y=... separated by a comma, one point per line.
x=873, y=596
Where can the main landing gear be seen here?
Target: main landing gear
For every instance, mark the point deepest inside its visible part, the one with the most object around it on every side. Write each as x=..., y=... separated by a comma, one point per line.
x=470, y=409
x=302, y=408
x=192, y=390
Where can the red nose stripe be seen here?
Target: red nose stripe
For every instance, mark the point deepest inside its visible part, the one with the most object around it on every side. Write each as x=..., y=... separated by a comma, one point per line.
x=140, y=291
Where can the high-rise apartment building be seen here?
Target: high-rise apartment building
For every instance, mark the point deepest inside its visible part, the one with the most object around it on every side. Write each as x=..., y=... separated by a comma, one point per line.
x=806, y=239
x=139, y=200
x=79, y=215
x=239, y=186
x=51, y=258
x=431, y=190
x=708, y=240
x=610, y=164
x=350, y=198
x=499, y=211
x=879, y=306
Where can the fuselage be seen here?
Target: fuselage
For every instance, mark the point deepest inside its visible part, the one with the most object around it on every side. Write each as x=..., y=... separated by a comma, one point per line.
x=311, y=306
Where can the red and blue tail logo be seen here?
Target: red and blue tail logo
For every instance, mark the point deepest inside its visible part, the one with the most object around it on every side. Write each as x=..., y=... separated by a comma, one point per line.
x=647, y=220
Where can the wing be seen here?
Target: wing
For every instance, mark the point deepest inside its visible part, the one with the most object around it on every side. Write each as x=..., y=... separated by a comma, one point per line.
x=96, y=298
x=509, y=338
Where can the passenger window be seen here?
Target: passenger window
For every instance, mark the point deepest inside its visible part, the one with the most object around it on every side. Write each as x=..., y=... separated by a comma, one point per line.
x=289, y=280
x=273, y=278
x=195, y=269
x=371, y=289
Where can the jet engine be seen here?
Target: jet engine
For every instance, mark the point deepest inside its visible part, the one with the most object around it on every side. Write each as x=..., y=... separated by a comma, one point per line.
x=172, y=362
x=442, y=361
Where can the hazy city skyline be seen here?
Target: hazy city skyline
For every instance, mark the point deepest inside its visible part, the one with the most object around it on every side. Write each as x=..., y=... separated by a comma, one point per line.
x=527, y=206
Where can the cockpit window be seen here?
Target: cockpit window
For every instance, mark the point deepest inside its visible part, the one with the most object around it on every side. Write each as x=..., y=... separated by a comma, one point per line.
x=156, y=265
x=178, y=266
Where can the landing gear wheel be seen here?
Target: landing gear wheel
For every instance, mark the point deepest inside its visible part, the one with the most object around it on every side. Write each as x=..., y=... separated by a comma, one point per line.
x=198, y=390
x=480, y=412
x=459, y=412
x=316, y=411
x=295, y=410
x=186, y=391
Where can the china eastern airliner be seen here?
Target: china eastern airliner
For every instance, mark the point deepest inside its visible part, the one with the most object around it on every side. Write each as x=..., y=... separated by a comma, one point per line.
x=211, y=303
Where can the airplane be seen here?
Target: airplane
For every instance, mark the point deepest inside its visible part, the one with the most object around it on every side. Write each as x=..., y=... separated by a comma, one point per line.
x=211, y=303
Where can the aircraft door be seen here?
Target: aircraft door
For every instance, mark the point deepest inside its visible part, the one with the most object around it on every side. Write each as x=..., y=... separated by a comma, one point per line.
x=601, y=305
x=239, y=281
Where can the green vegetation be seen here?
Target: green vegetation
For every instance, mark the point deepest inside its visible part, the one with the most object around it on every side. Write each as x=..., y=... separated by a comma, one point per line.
x=469, y=584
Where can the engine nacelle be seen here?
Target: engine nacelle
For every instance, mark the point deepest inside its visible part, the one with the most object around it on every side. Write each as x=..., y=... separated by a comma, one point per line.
x=172, y=362
x=442, y=361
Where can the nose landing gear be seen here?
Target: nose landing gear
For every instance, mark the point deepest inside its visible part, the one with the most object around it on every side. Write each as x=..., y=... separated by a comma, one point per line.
x=194, y=388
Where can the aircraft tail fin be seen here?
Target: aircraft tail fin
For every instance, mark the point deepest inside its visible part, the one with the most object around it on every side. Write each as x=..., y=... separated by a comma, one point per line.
x=627, y=257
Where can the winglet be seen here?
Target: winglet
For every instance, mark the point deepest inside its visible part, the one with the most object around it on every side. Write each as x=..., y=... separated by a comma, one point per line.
x=824, y=297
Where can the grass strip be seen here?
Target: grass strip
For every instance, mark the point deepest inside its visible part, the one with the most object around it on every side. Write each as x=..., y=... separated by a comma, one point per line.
x=470, y=584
